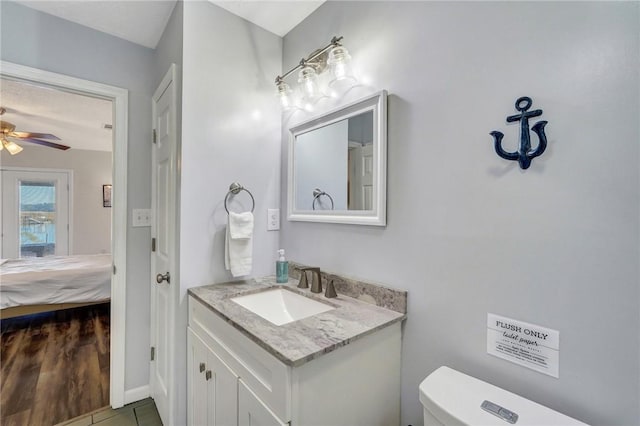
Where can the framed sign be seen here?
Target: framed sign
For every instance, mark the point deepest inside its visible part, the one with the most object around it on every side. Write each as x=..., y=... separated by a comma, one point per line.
x=529, y=345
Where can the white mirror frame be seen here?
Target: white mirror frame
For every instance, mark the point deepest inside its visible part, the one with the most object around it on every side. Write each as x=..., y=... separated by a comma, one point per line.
x=376, y=217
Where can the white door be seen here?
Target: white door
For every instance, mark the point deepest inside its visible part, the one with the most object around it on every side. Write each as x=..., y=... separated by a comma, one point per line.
x=361, y=178
x=366, y=182
x=35, y=213
x=164, y=285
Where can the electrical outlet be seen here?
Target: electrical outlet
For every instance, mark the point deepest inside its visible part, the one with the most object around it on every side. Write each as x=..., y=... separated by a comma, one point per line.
x=141, y=217
x=273, y=219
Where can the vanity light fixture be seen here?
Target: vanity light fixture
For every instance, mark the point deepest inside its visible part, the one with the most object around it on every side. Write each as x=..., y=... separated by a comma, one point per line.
x=334, y=55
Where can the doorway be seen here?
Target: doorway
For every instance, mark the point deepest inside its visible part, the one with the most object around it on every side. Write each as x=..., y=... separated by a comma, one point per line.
x=119, y=100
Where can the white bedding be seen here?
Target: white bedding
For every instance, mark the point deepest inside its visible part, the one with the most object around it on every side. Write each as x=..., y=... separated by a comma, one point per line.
x=55, y=279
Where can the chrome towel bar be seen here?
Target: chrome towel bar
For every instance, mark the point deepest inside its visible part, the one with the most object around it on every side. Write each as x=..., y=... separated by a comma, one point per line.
x=234, y=189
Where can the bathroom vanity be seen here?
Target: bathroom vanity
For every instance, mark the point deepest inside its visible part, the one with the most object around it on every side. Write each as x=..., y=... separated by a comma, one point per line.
x=338, y=367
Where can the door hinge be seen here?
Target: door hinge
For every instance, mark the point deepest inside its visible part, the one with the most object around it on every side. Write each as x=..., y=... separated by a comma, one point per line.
x=153, y=244
x=114, y=269
x=153, y=353
x=155, y=136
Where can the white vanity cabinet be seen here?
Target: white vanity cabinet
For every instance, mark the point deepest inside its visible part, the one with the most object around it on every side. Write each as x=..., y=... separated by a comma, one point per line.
x=218, y=395
x=252, y=411
x=212, y=386
x=241, y=383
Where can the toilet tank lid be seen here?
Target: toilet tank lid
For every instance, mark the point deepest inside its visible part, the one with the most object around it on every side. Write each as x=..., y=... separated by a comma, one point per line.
x=455, y=398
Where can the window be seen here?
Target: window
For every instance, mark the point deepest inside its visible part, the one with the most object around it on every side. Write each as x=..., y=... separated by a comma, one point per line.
x=35, y=213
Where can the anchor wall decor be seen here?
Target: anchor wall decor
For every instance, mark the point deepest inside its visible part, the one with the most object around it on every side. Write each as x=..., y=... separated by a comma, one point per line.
x=525, y=154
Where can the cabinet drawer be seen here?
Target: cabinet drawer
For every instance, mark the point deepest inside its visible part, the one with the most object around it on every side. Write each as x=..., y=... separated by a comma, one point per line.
x=267, y=377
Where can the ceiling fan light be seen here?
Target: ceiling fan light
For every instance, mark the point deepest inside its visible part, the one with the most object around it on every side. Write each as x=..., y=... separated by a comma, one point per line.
x=12, y=147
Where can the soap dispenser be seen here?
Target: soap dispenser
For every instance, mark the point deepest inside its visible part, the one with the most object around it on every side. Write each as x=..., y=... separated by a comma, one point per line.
x=282, y=268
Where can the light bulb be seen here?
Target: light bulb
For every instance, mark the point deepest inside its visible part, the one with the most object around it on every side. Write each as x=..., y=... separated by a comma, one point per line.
x=284, y=93
x=309, y=80
x=338, y=60
x=12, y=147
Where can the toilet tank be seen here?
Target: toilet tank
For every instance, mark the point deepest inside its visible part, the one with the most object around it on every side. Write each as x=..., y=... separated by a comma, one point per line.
x=452, y=398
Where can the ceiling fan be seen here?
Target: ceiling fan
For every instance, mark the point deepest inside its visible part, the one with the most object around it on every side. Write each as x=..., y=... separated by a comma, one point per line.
x=7, y=132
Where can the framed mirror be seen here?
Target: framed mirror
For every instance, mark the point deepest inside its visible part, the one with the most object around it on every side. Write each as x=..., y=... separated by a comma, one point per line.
x=338, y=165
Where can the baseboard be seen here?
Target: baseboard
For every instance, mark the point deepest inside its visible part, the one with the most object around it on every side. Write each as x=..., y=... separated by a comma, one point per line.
x=136, y=394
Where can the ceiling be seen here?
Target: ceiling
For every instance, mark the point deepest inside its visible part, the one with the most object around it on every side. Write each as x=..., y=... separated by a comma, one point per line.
x=123, y=18
x=116, y=17
x=77, y=120
x=278, y=17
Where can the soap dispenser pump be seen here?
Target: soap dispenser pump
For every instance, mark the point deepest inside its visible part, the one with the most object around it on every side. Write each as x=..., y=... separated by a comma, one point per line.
x=282, y=268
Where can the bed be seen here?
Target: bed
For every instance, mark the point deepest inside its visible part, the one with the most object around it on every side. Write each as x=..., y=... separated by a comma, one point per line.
x=41, y=284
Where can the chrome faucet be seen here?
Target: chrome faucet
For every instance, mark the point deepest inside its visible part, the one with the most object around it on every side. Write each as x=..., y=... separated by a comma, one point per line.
x=330, y=292
x=316, y=281
x=303, y=278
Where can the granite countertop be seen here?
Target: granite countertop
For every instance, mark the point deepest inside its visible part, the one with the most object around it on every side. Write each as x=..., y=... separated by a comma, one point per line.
x=300, y=341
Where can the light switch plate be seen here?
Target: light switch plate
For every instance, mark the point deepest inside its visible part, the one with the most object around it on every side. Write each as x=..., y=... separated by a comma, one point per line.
x=141, y=217
x=273, y=219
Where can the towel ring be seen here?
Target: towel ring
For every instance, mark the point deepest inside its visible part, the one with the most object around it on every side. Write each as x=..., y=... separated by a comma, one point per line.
x=234, y=189
x=317, y=193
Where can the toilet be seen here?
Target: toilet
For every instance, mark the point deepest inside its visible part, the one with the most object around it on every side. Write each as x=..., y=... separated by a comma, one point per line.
x=452, y=398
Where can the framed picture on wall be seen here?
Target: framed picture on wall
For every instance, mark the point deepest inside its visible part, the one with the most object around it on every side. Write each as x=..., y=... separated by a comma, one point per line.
x=106, y=195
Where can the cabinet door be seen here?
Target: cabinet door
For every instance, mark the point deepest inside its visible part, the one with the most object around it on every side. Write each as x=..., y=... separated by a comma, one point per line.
x=252, y=412
x=196, y=381
x=222, y=388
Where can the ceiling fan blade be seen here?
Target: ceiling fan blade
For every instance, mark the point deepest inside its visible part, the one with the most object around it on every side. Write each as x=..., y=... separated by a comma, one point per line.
x=22, y=135
x=45, y=143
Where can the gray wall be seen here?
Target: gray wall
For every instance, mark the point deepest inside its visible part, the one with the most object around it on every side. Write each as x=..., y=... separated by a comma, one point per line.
x=470, y=233
x=38, y=40
x=230, y=132
x=169, y=50
x=91, y=169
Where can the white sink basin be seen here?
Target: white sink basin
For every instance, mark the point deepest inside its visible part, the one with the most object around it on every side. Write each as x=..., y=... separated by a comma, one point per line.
x=281, y=306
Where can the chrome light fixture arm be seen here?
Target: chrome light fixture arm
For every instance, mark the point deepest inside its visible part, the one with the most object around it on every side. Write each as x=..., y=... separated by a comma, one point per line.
x=317, y=59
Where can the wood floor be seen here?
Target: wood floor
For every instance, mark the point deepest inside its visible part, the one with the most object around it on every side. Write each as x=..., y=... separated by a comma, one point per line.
x=54, y=366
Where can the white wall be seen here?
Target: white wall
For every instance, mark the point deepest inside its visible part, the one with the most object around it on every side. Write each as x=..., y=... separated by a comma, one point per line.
x=469, y=233
x=35, y=39
x=91, y=169
x=230, y=132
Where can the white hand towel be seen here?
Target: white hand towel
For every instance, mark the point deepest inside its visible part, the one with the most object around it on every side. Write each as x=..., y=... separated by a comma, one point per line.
x=238, y=245
x=241, y=225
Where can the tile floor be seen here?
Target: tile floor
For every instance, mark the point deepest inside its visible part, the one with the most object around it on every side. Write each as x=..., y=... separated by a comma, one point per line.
x=141, y=413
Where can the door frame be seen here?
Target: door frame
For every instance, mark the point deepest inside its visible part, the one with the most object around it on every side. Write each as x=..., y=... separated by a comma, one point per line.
x=168, y=79
x=120, y=102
